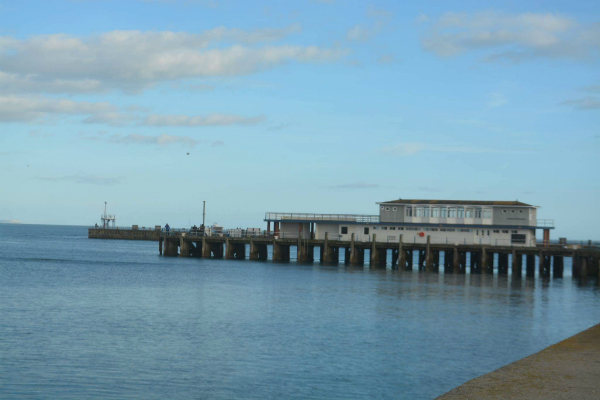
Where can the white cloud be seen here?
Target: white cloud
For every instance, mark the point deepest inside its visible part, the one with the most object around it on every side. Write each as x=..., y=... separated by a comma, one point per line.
x=412, y=148
x=586, y=103
x=83, y=178
x=36, y=109
x=497, y=100
x=403, y=149
x=357, y=185
x=160, y=140
x=209, y=120
x=135, y=60
x=513, y=37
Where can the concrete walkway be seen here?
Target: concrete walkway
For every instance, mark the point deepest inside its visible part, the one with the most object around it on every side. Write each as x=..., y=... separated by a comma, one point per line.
x=567, y=370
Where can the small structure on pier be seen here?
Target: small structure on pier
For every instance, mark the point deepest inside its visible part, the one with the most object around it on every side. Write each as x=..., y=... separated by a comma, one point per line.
x=107, y=219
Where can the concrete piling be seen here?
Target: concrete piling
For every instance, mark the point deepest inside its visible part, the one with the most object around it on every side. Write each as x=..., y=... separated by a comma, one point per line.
x=517, y=264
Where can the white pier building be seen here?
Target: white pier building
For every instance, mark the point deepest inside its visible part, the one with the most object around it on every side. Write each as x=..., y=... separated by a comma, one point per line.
x=495, y=223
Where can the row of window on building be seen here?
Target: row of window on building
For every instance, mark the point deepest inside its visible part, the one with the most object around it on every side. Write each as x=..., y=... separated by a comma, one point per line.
x=448, y=212
x=344, y=229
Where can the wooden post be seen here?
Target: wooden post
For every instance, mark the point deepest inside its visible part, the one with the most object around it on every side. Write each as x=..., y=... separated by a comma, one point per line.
x=428, y=260
x=374, y=252
x=517, y=264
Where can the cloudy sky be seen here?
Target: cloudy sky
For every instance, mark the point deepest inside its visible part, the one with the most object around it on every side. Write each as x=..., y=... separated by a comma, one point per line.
x=305, y=106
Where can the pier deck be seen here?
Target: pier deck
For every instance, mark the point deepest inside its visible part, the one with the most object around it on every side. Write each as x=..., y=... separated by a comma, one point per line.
x=428, y=256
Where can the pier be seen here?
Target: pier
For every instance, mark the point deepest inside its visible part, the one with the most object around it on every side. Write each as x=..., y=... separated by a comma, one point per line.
x=428, y=256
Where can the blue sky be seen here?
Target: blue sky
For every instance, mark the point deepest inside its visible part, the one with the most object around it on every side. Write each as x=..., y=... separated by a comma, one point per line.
x=303, y=106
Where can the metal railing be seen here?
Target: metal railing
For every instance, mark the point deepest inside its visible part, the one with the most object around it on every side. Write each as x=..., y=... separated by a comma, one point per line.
x=123, y=228
x=545, y=223
x=274, y=216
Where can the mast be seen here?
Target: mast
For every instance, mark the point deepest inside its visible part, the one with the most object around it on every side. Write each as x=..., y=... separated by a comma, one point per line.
x=203, y=217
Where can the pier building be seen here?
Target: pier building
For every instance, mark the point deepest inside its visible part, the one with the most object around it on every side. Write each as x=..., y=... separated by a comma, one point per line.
x=465, y=222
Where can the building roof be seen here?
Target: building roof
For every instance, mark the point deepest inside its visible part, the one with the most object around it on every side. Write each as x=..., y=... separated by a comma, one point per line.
x=460, y=202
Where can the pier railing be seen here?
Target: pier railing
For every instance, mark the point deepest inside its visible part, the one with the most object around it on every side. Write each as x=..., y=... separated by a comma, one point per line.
x=275, y=216
x=545, y=223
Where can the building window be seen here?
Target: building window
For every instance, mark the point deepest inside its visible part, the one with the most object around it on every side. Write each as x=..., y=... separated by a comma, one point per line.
x=375, y=228
x=504, y=211
x=504, y=231
x=512, y=211
x=469, y=213
x=401, y=228
x=426, y=212
x=395, y=209
x=520, y=211
x=344, y=230
x=513, y=231
x=387, y=209
x=392, y=228
x=487, y=214
x=381, y=207
x=419, y=212
x=488, y=232
x=366, y=231
x=435, y=212
x=443, y=212
x=409, y=211
x=496, y=231
x=461, y=212
x=452, y=212
x=384, y=228
x=478, y=213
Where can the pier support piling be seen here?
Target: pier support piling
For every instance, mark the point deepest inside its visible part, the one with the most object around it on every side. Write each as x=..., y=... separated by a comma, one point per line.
x=558, y=266
x=530, y=265
x=184, y=248
x=517, y=264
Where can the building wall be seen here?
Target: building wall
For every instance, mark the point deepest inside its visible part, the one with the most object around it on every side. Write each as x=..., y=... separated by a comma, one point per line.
x=488, y=236
x=515, y=216
x=518, y=216
x=332, y=229
x=391, y=213
x=292, y=230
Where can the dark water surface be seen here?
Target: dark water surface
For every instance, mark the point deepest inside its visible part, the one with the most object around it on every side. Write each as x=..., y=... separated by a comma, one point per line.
x=83, y=318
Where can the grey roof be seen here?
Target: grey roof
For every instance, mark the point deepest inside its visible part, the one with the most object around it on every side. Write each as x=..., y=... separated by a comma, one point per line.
x=460, y=202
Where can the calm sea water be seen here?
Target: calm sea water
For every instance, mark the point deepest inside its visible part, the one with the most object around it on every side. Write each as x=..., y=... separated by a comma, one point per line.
x=83, y=318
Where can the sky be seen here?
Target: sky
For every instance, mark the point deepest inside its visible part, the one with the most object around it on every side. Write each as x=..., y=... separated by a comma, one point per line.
x=299, y=106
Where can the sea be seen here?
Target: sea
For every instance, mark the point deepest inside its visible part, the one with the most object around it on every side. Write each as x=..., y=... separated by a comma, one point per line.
x=85, y=318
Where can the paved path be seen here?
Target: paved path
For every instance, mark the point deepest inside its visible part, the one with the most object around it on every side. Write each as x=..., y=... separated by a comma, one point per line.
x=567, y=370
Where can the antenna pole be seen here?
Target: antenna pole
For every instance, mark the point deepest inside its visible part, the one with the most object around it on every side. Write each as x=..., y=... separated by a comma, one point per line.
x=204, y=216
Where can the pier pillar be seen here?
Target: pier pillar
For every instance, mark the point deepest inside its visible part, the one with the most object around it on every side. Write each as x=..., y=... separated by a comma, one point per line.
x=421, y=259
x=184, y=248
x=160, y=246
x=583, y=268
x=503, y=263
x=543, y=267
x=166, y=247
x=268, y=229
x=455, y=260
x=487, y=262
x=347, y=255
x=448, y=260
x=277, y=256
x=302, y=252
x=229, y=250
x=374, y=252
x=428, y=259
x=205, y=248
x=254, y=249
x=517, y=264
x=327, y=254
x=530, y=265
x=435, y=254
x=401, y=254
x=558, y=266
x=576, y=265
x=354, y=253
